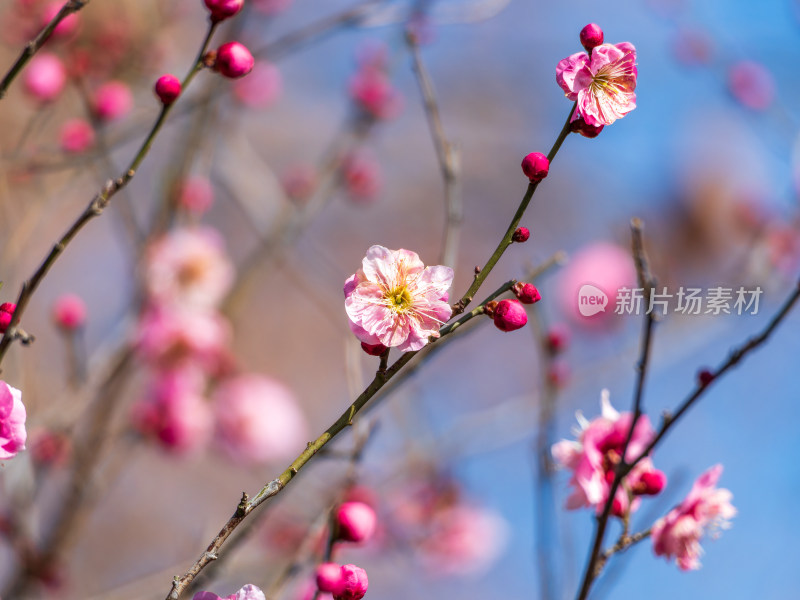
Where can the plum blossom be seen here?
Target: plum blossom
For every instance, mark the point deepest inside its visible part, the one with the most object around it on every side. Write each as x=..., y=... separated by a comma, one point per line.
x=602, y=83
x=188, y=267
x=258, y=419
x=169, y=337
x=12, y=422
x=592, y=458
x=248, y=592
x=395, y=300
x=175, y=413
x=706, y=508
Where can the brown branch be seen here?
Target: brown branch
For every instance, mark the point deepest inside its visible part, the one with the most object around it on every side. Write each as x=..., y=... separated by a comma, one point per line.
x=32, y=47
x=449, y=160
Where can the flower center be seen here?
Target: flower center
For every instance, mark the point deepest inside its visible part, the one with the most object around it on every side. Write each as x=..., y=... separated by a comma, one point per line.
x=399, y=299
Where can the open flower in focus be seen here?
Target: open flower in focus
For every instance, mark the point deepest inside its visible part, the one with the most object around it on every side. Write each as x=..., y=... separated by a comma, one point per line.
x=602, y=83
x=395, y=300
x=188, y=267
x=593, y=457
x=12, y=422
x=706, y=508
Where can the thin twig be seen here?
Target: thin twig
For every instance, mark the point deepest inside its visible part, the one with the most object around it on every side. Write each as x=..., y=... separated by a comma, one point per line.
x=32, y=47
x=446, y=152
x=646, y=282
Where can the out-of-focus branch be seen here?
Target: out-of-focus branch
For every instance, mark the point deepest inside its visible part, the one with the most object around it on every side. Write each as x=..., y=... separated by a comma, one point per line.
x=97, y=205
x=449, y=160
x=32, y=47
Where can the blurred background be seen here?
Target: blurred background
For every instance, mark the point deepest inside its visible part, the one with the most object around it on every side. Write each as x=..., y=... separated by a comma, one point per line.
x=286, y=177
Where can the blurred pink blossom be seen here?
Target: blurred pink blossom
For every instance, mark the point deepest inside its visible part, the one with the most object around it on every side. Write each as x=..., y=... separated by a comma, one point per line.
x=593, y=458
x=751, y=84
x=373, y=92
x=112, y=100
x=170, y=337
x=261, y=88
x=271, y=7
x=395, y=300
x=45, y=77
x=76, y=136
x=69, y=312
x=195, y=194
x=258, y=419
x=362, y=178
x=603, y=84
x=12, y=422
x=705, y=509
x=464, y=539
x=299, y=182
x=174, y=412
x=67, y=26
x=248, y=592
x=602, y=264
x=188, y=267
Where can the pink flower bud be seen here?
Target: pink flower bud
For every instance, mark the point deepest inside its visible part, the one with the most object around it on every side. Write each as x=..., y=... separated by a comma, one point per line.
x=6, y=314
x=69, y=312
x=112, y=101
x=299, y=182
x=168, y=88
x=527, y=293
x=752, y=84
x=586, y=130
x=509, y=315
x=49, y=447
x=651, y=483
x=558, y=374
x=362, y=177
x=521, y=235
x=355, y=522
x=45, y=77
x=354, y=583
x=233, y=60
x=222, y=9
x=67, y=26
x=535, y=166
x=76, y=136
x=373, y=349
x=329, y=577
x=591, y=36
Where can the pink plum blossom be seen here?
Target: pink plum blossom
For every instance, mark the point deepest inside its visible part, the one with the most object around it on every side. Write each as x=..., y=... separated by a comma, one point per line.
x=45, y=77
x=752, y=84
x=705, y=509
x=593, y=457
x=258, y=419
x=373, y=93
x=76, y=136
x=188, y=267
x=464, y=539
x=362, y=178
x=69, y=312
x=604, y=265
x=248, y=592
x=395, y=300
x=195, y=194
x=113, y=100
x=12, y=422
x=169, y=337
x=261, y=88
x=175, y=413
x=602, y=83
